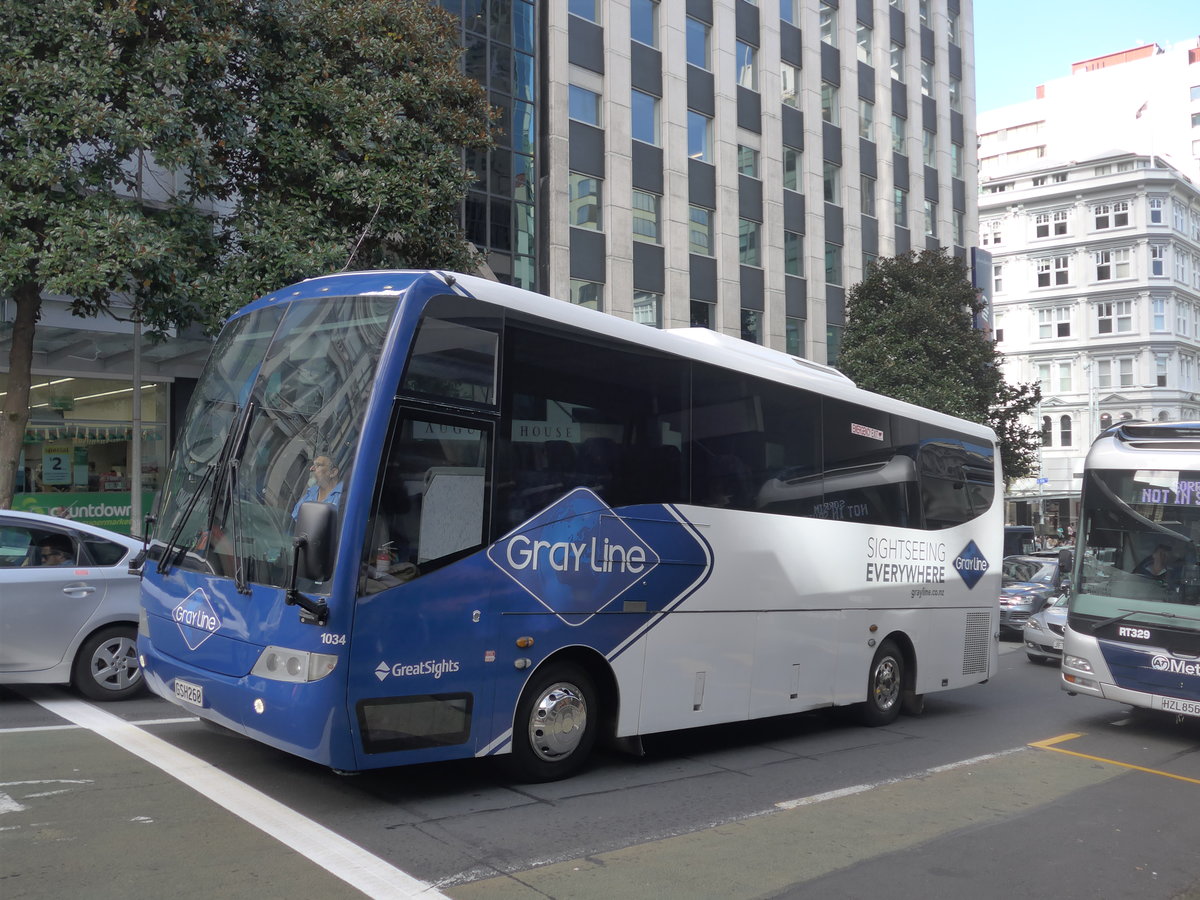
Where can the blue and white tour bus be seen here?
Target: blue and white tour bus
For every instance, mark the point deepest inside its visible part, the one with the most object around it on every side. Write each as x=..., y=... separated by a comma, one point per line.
x=531, y=526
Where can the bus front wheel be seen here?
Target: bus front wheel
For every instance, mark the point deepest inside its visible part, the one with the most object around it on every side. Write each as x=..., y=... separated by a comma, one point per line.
x=555, y=727
x=885, y=686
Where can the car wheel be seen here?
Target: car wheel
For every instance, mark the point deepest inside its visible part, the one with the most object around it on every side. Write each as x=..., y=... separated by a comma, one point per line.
x=106, y=666
x=885, y=686
x=555, y=727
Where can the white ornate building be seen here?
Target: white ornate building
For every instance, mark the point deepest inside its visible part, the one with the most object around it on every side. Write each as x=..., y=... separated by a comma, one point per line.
x=1096, y=289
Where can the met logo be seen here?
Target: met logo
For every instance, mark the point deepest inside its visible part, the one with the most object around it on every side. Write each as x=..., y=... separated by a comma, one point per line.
x=575, y=557
x=196, y=618
x=970, y=564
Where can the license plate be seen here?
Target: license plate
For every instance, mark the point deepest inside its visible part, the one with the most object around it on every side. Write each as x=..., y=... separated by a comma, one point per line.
x=1186, y=707
x=188, y=692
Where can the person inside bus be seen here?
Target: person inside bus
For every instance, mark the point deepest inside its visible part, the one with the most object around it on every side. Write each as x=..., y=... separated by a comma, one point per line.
x=1158, y=565
x=56, y=550
x=326, y=486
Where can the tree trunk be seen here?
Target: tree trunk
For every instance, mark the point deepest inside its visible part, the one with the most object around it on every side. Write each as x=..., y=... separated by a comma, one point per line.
x=28, y=297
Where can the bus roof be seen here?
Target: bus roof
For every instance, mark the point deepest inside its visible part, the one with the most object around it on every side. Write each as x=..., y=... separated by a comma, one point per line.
x=701, y=344
x=1129, y=445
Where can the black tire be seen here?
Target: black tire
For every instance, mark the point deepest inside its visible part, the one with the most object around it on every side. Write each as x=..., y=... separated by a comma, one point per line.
x=555, y=727
x=1041, y=661
x=106, y=666
x=885, y=686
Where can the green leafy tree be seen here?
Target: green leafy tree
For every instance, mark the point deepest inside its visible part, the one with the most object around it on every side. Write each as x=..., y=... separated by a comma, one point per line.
x=910, y=335
x=179, y=158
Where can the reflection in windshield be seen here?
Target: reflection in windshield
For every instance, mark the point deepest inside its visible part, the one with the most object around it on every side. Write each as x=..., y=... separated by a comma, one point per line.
x=1140, y=531
x=292, y=383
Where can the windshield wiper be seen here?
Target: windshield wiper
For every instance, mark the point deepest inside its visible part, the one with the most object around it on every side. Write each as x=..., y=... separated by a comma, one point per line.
x=164, y=561
x=1126, y=613
x=231, y=455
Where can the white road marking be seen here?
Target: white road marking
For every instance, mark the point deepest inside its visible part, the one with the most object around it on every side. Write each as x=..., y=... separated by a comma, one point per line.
x=328, y=849
x=28, y=728
x=862, y=788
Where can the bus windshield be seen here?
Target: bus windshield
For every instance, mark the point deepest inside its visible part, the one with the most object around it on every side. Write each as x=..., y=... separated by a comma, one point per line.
x=275, y=421
x=1140, y=529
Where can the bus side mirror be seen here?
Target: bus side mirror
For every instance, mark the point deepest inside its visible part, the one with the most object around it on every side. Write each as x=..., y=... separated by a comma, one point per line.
x=316, y=523
x=1066, y=559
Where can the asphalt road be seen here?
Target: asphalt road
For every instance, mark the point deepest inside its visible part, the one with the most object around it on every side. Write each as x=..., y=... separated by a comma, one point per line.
x=999, y=790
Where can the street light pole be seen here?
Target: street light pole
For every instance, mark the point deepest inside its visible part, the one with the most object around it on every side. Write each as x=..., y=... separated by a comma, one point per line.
x=135, y=449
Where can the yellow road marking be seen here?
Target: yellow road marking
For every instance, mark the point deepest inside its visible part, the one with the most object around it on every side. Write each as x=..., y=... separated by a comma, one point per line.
x=1049, y=743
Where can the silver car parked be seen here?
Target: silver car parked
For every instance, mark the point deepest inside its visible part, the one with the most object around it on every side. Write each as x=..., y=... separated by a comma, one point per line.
x=1043, y=632
x=68, y=606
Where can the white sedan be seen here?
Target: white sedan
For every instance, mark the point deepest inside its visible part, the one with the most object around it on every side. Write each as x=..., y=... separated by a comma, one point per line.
x=68, y=606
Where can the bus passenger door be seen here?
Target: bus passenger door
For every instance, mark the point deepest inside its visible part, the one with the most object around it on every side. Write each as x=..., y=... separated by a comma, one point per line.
x=421, y=627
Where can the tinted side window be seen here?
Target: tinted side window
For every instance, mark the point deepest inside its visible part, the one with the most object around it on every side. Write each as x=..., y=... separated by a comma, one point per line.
x=455, y=352
x=584, y=414
x=870, y=469
x=957, y=477
x=104, y=553
x=753, y=444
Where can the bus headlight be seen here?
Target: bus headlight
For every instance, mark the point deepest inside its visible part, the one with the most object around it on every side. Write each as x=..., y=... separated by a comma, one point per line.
x=1077, y=662
x=282, y=664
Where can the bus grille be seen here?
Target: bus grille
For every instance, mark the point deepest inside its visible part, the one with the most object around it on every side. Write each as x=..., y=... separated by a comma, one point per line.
x=975, y=647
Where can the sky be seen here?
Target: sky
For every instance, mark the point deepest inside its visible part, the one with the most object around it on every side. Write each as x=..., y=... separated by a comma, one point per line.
x=1020, y=44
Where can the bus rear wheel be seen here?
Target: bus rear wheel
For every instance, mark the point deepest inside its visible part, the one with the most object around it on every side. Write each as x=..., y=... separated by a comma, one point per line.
x=885, y=686
x=555, y=728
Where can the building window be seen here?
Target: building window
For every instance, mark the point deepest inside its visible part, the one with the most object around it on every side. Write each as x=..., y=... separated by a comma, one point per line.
x=929, y=148
x=585, y=9
x=866, y=43
x=793, y=253
x=1183, y=316
x=960, y=228
x=1158, y=314
x=587, y=293
x=700, y=230
x=794, y=335
x=900, y=204
x=586, y=201
x=646, y=223
x=956, y=160
x=899, y=134
x=829, y=103
x=791, y=168
x=702, y=314
x=833, y=264
x=645, y=117
x=1047, y=224
x=747, y=69
x=926, y=78
x=998, y=278
x=1156, y=210
x=1064, y=431
x=930, y=219
x=1160, y=369
x=1114, y=316
x=747, y=161
x=643, y=21
x=789, y=11
x=1047, y=431
x=952, y=33
x=1158, y=259
x=647, y=308
x=752, y=325
x=867, y=195
x=1112, y=265
x=897, y=60
x=699, y=136
x=789, y=77
x=828, y=20
x=1054, y=322
x=989, y=233
x=583, y=105
x=1111, y=215
x=832, y=181
x=698, y=43
x=1053, y=271
x=866, y=119
x=749, y=242
x=955, y=94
